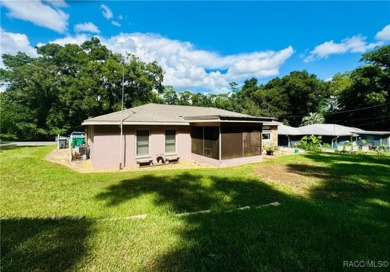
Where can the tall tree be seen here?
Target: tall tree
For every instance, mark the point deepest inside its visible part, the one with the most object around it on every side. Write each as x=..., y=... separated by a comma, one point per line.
x=170, y=96
x=366, y=102
x=313, y=118
x=66, y=84
x=292, y=97
x=185, y=98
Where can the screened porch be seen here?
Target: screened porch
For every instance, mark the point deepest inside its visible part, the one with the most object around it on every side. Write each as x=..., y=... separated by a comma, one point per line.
x=226, y=141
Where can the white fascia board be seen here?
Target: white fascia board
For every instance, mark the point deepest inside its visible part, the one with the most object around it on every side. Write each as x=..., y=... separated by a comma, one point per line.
x=225, y=121
x=136, y=123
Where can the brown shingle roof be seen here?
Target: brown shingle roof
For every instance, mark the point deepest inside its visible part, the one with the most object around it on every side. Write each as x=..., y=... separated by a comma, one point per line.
x=172, y=114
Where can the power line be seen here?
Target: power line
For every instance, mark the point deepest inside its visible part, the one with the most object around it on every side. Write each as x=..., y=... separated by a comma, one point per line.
x=361, y=108
x=367, y=118
x=365, y=123
x=338, y=112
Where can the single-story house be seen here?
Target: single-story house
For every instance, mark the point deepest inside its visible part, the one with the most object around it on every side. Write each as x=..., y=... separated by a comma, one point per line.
x=375, y=138
x=333, y=134
x=153, y=133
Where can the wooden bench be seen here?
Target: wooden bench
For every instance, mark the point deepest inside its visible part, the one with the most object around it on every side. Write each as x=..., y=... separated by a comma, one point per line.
x=144, y=161
x=171, y=159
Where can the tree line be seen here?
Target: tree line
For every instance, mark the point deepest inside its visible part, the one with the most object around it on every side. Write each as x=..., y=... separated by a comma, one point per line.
x=54, y=92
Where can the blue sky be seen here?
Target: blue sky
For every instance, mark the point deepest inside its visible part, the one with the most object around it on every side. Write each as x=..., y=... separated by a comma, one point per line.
x=205, y=45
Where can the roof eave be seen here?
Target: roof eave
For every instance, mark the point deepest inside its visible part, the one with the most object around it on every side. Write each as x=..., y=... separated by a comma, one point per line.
x=226, y=118
x=99, y=123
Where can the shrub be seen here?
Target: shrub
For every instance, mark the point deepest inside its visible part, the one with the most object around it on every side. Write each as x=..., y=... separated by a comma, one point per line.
x=381, y=150
x=326, y=145
x=270, y=148
x=347, y=146
x=8, y=137
x=311, y=143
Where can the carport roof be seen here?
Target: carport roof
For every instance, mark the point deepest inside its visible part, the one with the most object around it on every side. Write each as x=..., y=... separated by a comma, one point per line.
x=330, y=130
x=290, y=131
x=327, y=130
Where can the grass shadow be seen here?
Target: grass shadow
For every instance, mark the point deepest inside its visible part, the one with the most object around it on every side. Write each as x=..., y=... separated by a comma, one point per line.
x=40, y=244
x=330, y=158
x=301, y=234
x=353, y=177
x=187, y=192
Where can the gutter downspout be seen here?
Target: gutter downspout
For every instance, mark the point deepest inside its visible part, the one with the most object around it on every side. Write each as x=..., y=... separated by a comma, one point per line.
x=121, y=137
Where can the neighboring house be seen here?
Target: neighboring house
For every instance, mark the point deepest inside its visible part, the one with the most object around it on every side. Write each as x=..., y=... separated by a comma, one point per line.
x=156, y=132
x=376, y=138
x=288, y=136
x=333, y=134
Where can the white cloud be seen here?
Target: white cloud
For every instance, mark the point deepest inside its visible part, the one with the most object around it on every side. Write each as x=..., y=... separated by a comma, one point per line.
x=57, y=3
x=107, y=13
x=86, y=27
x=78, y=39
x=11, y=43
x=38, y=13
x=186, y=67
x=384, y=34
x=355, y=44
x=115, y=23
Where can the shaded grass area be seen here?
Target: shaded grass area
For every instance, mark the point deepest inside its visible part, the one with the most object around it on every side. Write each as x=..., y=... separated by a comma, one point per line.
x=337, y=209
x=41, y=244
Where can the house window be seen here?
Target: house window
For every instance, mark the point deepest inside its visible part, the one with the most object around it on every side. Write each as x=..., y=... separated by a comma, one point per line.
x=266, y=135
x=170, y=141
x=142, y=142
x=370, y=140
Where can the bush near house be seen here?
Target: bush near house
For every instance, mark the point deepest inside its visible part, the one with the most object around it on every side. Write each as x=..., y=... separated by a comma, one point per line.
x=310, y=143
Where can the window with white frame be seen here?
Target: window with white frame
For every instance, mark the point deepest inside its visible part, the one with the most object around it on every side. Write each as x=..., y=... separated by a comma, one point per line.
x=142, y=147
x=266, y=135
x=170, y=141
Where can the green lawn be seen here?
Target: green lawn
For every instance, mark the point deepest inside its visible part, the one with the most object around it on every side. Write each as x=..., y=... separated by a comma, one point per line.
x=334, y=208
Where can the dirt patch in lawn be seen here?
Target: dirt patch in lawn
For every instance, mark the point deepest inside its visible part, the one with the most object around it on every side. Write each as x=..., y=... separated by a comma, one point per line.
x=61, y=156
x=297, y=177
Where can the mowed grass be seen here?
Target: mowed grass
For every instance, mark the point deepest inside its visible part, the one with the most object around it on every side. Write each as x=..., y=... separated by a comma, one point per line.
x=334, y=208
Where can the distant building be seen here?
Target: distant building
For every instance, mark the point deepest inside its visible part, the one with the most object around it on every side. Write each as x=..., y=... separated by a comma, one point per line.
x=333, y=134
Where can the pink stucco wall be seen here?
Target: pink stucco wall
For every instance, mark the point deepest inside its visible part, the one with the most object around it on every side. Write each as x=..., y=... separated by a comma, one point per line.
x=105, y=144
